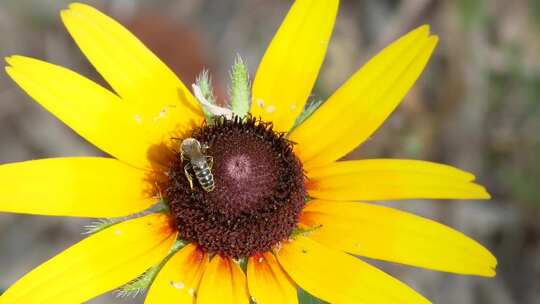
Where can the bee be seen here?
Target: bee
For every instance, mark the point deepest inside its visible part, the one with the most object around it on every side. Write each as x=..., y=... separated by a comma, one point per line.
x=201, y=164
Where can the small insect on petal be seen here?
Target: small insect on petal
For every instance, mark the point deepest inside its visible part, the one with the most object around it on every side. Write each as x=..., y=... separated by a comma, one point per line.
x=271, y=109
x=178, y=285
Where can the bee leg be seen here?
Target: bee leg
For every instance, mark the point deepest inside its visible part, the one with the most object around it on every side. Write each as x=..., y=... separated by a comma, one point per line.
x=182, y=157
x=188, y=176
x=210, y=161
x=204, y=148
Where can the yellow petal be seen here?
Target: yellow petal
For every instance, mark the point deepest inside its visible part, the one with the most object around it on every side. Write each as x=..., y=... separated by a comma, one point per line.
x=362, y=104
x=267, y=282
x=387, y=234
x=90, y=110
x=76, y=186
x=337, y=277
x=223, y=282
x=290, y=66
x=390, y=179
x=133, y=71
x=97, y=264
x=179, y=279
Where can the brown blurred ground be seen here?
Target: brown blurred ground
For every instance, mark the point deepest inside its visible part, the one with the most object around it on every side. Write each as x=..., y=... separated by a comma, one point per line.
x=477, y=106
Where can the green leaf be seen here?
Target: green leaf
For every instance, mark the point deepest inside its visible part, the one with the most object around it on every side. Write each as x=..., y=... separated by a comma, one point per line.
x=240, y=88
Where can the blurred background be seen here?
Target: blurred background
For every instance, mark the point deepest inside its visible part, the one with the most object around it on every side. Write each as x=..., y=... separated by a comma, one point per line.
x=477, y=106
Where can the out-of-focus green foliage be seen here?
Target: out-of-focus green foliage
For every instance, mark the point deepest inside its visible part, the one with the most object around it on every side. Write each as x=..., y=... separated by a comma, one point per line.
x=484, y=77
x=472, y=12
x=535, y=11
x=516, y=154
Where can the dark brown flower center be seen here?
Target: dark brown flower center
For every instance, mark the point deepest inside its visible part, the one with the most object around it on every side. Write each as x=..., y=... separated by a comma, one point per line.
x=258, y=195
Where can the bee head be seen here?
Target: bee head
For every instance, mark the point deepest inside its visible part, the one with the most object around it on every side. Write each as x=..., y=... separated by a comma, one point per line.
x=190, y=146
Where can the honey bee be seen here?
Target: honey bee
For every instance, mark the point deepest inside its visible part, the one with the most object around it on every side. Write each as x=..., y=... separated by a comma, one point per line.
x=201, y=164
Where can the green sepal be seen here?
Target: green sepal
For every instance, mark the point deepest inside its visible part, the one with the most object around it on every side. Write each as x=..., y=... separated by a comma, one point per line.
x=140, y=284
x=304, y=231
x=161, y=206
x=305, y=298
x=100, y=225
x=242, y=262
x=309, y=109
x=240, y=88
x=145, y=280
x=204, y=82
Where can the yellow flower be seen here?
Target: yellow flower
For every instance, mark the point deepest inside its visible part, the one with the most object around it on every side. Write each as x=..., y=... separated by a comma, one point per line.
x=257, y=210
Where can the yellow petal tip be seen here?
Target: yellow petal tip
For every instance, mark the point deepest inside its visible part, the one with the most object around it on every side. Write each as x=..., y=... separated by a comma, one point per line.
x=482, y=192
x=14, y=60
x=78, y=5
x=489, y=273
x=75, y=8
x=10, y=59
x=8, y=70
x=434, y=39
x=64, y=12
x=425, y=29
x=489, y=268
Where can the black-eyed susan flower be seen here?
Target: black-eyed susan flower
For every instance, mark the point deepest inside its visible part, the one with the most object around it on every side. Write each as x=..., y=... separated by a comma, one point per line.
x=283, y=211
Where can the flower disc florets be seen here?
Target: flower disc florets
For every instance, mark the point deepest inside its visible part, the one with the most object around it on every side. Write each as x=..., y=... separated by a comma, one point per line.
x=258, y=195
